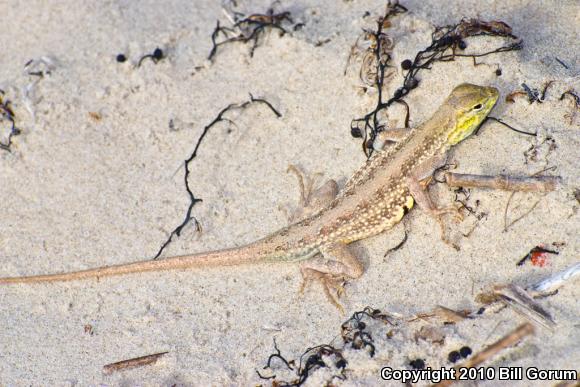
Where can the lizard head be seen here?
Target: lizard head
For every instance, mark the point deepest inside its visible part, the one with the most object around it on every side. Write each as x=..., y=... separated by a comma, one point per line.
x=471, y=104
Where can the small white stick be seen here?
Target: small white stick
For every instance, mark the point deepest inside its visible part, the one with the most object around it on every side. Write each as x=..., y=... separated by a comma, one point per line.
x=552, y=283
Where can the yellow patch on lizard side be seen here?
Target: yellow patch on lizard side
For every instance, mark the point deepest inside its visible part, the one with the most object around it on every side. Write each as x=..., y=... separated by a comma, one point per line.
x=410, y=202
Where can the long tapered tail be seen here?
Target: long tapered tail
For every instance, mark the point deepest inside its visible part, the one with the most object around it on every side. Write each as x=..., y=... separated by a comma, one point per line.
x=246, y=254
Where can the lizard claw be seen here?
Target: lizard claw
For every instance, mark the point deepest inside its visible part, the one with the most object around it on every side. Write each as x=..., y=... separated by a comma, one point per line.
x=330, y=284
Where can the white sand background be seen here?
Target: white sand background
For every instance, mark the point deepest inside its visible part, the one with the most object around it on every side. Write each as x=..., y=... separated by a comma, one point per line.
x=77, y=193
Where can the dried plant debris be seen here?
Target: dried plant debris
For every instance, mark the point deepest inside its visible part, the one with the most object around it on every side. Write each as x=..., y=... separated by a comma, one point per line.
x=550, y=285
x=446, y=315
x=540, y=151
x=249, y=28
x=8, y=128
x=192, y=199
x=353, y=330
x=575, y=108
x=448, y=43
x=506, y=183
x=321, y=356
x=354, y=334
x=407, y=342
x=41, y=67
x=133, y=363
x=155, y=56
x=522, y=300
x=373, y=47
x=462, y=196
x=522, y=303
x=545, y=184
x=532, y=94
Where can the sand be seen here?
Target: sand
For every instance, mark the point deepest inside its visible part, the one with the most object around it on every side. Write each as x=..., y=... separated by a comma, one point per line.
x=96, y=178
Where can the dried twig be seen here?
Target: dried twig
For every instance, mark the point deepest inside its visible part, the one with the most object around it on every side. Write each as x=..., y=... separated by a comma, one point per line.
x=506, y=183
x=521, y=302
x=132, y=363
x=552, y=283
x=507, y=225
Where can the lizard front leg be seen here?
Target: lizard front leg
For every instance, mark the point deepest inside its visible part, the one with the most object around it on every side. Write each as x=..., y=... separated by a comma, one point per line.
x=336, y=265
x=417, y=183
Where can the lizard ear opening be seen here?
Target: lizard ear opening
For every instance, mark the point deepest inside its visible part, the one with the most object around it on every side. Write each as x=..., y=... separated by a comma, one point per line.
x=477, y=107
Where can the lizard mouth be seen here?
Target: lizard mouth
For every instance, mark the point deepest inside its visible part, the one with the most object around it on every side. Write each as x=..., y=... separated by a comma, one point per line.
x=493, y=93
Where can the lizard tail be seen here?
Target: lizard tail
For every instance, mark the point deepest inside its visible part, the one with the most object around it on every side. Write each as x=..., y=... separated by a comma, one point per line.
x=235, y=256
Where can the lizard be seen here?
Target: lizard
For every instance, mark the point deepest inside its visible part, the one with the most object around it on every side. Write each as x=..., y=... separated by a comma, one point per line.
x=373, y=200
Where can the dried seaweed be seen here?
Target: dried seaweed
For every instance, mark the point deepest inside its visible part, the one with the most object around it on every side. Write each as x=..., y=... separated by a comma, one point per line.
x=353, y=331
x=192, y=199
x=7, y=114
x=311, y=360
x=248, y=29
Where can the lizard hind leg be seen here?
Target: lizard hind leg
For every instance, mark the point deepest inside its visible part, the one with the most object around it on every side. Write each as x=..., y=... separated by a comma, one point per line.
x=337, y=265
x=312, y=200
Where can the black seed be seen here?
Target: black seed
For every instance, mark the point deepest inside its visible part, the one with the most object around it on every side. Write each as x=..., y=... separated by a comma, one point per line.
x=411, y=83
x=158, y=53
x=453, y=356
x=498, y=72
x=406, y=64
x=121, y=58
x=465, y=351
x=462, y=45
x=445, y=41
x=417, y=364
x=355, y=132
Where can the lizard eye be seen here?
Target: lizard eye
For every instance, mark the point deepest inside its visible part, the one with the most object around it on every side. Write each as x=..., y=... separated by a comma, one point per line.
x=477, y=107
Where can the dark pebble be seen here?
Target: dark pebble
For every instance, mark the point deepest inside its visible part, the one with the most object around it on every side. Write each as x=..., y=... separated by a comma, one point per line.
x=158, y=53
x=453, y=356
x=465, y=351
x=406, y=64
x=417, y=364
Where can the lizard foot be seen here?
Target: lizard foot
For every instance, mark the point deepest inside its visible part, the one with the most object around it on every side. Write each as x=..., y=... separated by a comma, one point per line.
x=454, y=210
x=311, y=200
x=337, y=265
x=330, y=284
